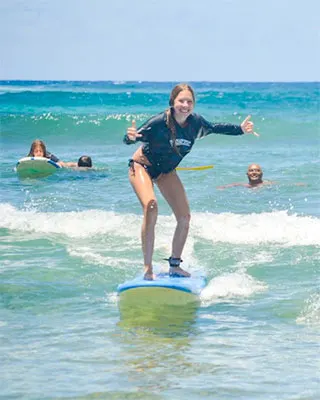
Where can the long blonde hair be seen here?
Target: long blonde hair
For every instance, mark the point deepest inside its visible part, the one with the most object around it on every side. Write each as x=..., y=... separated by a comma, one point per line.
x=169, y=117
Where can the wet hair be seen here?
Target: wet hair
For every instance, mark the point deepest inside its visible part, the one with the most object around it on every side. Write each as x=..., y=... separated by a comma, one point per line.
x=37, y=143
x=85, y=161
x=169, y=113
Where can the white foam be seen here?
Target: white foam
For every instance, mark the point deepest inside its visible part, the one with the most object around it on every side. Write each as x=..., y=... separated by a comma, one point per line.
x=231, y=285
x=262, y=257
x=254, y=229
x=310, y=314
x=277, y=227
x=84, y=224
x=92, y=256
x=112, y=298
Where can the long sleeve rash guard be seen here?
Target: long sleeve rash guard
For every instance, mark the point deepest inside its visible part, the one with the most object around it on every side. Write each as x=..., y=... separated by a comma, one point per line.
x=157, y=139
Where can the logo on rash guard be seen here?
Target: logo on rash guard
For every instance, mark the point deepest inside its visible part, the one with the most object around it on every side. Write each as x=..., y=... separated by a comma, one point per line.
x=181, y=142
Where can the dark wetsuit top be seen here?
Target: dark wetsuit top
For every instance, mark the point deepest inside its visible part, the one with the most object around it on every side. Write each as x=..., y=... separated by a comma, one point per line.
x=157, y=142
x=52, y=157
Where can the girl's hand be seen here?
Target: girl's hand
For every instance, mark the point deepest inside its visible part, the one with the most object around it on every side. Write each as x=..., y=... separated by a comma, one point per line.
x=247, y=126
x=132, y=132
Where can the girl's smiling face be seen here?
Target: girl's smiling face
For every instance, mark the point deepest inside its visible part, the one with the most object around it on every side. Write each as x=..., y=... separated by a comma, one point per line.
x=183, y=105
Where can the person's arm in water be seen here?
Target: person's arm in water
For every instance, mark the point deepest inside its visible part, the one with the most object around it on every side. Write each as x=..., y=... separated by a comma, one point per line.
x=248, y=185
x=68, y=164
x=232, y=185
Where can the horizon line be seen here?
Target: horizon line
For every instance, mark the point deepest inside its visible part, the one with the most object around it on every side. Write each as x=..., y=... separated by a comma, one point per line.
x=154, y=81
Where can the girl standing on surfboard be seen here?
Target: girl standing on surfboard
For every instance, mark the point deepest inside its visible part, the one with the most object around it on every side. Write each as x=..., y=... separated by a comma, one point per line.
x=167, y=138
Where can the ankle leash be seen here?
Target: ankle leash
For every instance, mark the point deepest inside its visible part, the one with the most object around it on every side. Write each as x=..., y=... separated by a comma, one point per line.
x=174, y=262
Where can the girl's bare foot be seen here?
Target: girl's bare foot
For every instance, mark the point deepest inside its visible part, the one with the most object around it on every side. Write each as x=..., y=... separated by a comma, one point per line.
x=178, y=272
x=148, y=274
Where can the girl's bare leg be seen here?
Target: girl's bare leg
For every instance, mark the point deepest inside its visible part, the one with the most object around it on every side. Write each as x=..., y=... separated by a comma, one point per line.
x=173, y=191
x=143, y=187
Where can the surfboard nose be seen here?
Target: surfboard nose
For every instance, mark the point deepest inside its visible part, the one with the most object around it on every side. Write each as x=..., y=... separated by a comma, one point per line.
x=163, y=301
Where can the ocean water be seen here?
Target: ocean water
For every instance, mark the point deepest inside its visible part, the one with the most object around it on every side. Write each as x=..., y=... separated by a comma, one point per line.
x=68, y=240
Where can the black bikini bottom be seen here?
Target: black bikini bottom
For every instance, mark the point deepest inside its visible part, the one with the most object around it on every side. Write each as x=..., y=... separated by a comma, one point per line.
x=152, y=171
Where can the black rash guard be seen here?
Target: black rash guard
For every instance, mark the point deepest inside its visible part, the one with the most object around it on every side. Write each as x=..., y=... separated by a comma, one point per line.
x=52, y=157
x=157, y=142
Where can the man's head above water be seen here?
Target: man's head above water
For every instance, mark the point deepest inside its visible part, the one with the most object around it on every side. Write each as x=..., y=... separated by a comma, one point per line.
x=254, y=173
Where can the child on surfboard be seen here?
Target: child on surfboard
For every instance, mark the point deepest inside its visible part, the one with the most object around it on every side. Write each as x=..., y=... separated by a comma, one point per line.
x=167, y=138
x=38, y=149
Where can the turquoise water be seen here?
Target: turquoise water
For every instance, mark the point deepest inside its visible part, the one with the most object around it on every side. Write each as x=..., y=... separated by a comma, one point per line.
x=69, y=239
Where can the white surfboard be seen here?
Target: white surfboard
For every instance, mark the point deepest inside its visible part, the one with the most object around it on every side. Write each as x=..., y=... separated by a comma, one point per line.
x=36, y=167
x=164, y=296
